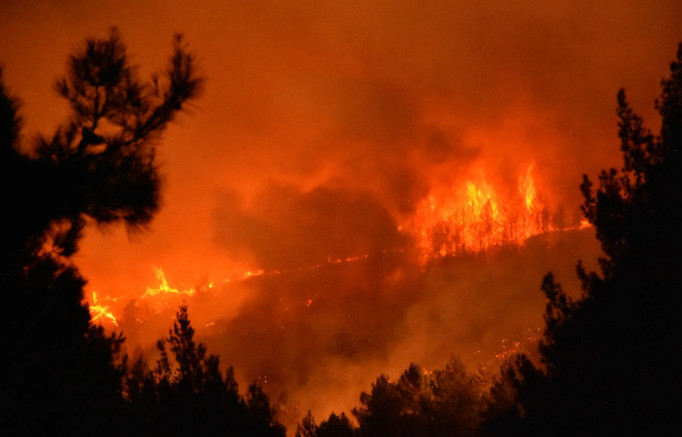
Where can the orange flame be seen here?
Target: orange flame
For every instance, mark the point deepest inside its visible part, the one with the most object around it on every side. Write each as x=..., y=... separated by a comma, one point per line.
x=472, y=217
x=100, y=312
x=164, y=296
x=449, y=223
x=164, y=288
x=527, y=188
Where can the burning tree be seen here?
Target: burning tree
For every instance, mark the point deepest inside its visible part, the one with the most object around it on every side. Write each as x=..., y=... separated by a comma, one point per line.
x=611, y=358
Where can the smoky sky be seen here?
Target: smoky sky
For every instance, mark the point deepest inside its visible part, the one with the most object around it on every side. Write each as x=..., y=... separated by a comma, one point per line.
x=322, y=127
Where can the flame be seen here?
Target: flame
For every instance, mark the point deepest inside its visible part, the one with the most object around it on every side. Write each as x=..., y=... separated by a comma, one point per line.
x=465, y=218
x=259, y=272
x=164, y=288
x=473, y=217
x=100, y=312
x=163, y=296
x=527, y=188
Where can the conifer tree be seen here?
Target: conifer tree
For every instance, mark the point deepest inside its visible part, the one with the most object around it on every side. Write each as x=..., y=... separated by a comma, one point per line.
x=99, y=167
x=610, y=357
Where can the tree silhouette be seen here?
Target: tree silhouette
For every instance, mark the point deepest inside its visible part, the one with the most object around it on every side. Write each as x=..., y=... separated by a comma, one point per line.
x=67, y=375
x=307, y=427
x=610, y=358
x=336, y=426
x=186, y=393
x=98, y=167
x=441, y=403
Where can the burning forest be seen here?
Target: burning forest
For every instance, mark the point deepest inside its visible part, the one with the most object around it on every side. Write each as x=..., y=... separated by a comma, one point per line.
x=335, y=220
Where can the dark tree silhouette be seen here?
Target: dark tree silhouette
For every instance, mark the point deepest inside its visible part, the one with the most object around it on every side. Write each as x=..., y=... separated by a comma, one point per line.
x=186, y=394
x=64, y=376
x=336, y=426
x=307, y=427
x=611, y=357
x=442, y=403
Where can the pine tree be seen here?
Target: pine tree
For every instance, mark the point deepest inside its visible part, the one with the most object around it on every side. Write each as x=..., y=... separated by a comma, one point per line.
x=186, y=394
x=610, y=358
x=307, y=427
x=99, y=167
x=443, y=403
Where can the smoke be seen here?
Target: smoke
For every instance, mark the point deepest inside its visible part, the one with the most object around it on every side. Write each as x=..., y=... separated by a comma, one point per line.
x=315, y=337
x=284, y=228
x=323, y=128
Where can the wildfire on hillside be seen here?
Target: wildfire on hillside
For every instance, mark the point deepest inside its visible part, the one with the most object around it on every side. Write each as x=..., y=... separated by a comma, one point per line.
x=468, y=217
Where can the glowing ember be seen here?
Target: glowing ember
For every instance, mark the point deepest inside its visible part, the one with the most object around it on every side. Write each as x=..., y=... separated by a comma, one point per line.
x=473, y=218
x=510, y=348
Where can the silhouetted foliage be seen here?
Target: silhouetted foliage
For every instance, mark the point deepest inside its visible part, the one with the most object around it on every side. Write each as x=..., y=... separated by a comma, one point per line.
x=307, y=427
x=441, y=403
x=336, y=426
x=610, y=358
x=65, y=373
x=186, y=393
x=66, y=376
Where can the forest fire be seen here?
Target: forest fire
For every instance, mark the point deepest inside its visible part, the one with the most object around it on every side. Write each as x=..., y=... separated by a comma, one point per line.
x=467, y=217
x=106, y=310
x=473, y=217
x=164, y=297
x=276, y=305
x=330, y=194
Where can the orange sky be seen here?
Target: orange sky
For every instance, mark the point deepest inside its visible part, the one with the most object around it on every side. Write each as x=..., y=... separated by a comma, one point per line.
x=322, y=127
